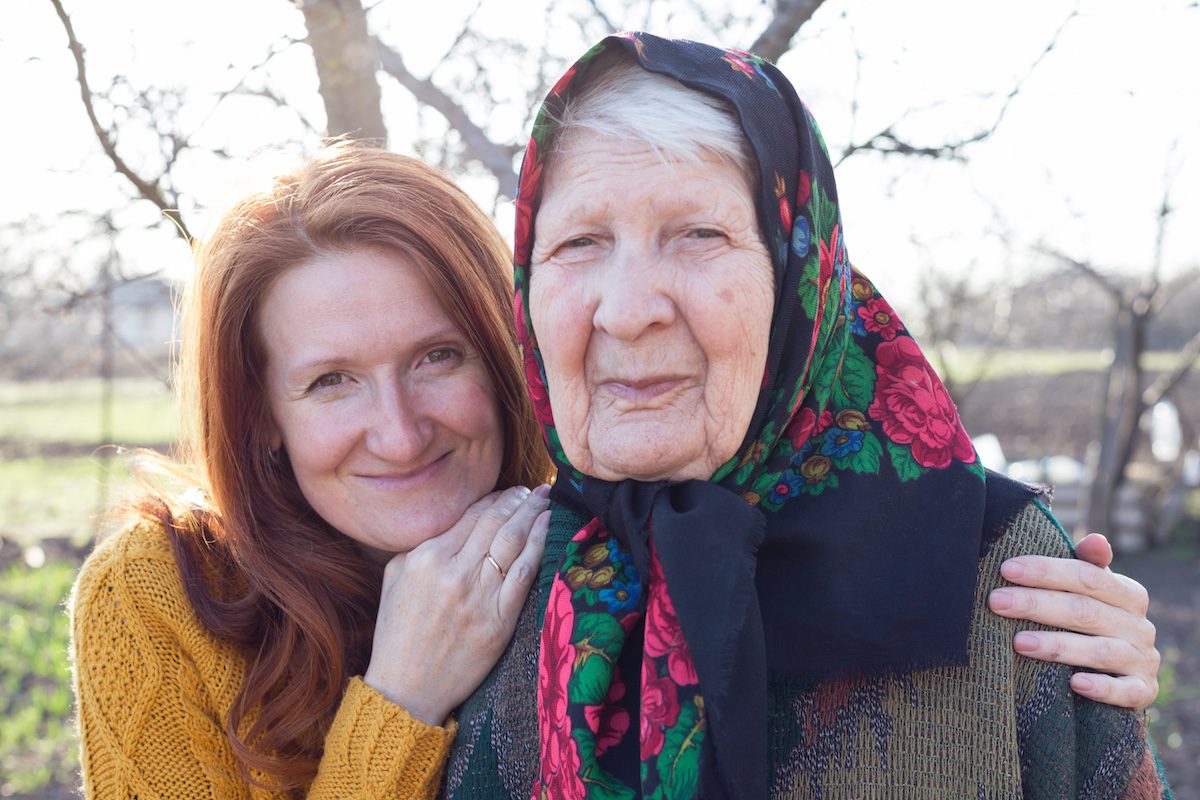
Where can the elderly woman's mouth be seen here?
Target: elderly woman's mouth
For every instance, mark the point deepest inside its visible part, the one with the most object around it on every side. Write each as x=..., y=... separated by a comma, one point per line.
x=639, y=392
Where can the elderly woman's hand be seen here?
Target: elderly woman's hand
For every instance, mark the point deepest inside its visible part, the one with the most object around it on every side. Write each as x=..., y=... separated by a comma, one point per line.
x=1107, y=611
x=449, y=606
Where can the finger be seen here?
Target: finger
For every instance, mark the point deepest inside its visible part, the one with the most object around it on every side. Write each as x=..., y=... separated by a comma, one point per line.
x=524, y=569
x=511, y=537
x=1077, y=577
x=1126, y=692
x=1100, y=653
x=490, y=521
x=1095, y=549
x=456, y=536
x=1072, y=612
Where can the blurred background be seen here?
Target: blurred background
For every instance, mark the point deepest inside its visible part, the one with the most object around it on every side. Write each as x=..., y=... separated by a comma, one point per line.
x=1022, y=180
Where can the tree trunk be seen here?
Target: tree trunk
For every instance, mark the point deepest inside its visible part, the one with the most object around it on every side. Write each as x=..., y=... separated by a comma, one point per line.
x=1119, y=419
x=346, y=67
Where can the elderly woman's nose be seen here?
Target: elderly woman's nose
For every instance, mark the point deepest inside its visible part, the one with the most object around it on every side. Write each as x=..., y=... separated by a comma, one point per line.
x=633, y=295
x=398, y=427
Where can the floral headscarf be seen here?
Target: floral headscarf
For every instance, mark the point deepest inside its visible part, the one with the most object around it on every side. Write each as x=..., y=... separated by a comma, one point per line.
x=841, y=539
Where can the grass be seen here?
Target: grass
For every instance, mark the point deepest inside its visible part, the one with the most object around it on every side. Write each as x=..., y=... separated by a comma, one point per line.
x=56, y=497
x=968, y=364
x=38, y=744
x=69, y=411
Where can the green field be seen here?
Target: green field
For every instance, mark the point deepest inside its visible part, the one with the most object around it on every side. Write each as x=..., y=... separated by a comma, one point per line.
x=44, y=497
x=56, y=472
x=70, y=411
x=38, y=746
x=971, y=364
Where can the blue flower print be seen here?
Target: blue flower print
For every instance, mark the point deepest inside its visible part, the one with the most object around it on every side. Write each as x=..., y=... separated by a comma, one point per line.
x=621, y=598
x=840, y=442
x=801, y=236
x=788, y=486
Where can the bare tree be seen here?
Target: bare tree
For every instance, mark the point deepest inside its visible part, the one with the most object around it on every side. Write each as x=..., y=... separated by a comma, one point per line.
x=158, y=189
x=347, y=63
x=1126, y=395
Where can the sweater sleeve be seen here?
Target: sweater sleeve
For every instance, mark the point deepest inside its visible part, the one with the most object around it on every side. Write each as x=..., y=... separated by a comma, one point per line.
x=153, y=688
x=376, y=749
x=1072, y=746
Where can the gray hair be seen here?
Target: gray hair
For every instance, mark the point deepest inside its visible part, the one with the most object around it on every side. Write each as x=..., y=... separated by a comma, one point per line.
x=626, y=103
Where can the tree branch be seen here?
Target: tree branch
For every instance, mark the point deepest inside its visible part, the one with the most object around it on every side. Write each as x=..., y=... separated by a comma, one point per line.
x=1104, y=281
x=1168, y=381
x=496, y=158
x=148, y=190
x=776, y=38
x=886, y=142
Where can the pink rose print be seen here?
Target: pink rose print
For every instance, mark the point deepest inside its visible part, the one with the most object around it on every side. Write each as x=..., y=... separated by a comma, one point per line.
x=560, y=753
x=660, y=709
x=800, y=429
x=608, y=721
x=878, y=317
x=563, y=82
x=664, y=636
x=914, y=407
x=531, y=174
x=803, y=188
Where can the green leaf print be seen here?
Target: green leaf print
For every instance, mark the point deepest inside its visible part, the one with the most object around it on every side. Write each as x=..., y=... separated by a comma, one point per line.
x=598, y=641
x=906, y=466
x=679, y=761
x=809, y=291
x=854, y=386
x=977, y=468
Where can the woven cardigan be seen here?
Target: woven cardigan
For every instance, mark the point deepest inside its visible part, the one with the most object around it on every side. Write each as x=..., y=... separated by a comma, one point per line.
x=1002, y=726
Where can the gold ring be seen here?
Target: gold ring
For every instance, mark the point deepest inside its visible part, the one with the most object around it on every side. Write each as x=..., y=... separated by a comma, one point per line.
x=496, y=564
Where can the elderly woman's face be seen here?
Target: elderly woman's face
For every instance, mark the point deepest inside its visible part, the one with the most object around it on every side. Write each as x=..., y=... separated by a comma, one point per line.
x=651, y=296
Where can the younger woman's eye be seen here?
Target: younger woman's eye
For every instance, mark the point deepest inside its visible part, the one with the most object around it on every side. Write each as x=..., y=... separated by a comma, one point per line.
x=442, y=355
x=327, y=381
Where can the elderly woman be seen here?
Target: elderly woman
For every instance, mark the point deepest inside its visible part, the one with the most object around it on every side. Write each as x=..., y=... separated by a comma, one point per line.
x=772, y=542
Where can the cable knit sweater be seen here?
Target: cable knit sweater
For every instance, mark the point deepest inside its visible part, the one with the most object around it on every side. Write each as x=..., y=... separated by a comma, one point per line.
x=155, y=688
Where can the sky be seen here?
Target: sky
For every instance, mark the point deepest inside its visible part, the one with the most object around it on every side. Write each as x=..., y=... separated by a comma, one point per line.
x=1078, y=164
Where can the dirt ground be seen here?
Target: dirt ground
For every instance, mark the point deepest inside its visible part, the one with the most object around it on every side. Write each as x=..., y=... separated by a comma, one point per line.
x=1173, y=578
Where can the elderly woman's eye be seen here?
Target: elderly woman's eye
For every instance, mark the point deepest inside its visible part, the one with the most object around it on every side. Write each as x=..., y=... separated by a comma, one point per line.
x=704, y=233
x=579, y=241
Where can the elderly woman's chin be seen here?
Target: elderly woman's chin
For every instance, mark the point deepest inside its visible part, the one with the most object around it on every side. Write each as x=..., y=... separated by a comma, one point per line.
x=654, y=445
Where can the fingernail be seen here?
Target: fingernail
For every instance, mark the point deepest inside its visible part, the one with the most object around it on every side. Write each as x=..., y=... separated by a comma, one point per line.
x=542, y=491
x=1025, y=642
x=1012, y=569
x=1000, y=600
x=1083, y=683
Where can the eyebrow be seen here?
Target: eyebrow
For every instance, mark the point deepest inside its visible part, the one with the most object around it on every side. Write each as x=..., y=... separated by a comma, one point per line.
x=328, y=360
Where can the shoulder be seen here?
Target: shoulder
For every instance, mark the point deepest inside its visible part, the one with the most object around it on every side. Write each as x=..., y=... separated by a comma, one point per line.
x=1034, y=530
x=129, y=593
x=138, y=561
x=1019, y=522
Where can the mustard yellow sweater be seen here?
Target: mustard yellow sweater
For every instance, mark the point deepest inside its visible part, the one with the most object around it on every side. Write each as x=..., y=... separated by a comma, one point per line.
x=155, y=688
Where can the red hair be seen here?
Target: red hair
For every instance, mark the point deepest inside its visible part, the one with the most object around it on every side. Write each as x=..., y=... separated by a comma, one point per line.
x=262, y=570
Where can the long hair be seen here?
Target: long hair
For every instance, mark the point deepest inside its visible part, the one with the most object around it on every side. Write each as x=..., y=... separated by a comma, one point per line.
x=262, y=570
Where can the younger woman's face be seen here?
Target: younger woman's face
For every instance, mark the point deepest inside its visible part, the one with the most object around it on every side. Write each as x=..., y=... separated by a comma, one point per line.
x=382, y=405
